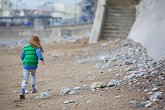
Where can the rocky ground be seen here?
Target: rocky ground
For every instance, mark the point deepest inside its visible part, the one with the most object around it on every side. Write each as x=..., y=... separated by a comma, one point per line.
x=113, y=74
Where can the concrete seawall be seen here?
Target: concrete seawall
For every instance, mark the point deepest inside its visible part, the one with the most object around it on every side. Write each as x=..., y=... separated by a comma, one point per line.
x=149, y=26
x=68, y=33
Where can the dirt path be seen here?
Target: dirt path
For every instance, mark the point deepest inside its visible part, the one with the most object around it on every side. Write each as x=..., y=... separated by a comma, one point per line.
x=63, y=70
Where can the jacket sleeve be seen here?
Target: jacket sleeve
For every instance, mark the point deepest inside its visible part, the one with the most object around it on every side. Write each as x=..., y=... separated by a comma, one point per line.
x=39, y=54
x=22, y=55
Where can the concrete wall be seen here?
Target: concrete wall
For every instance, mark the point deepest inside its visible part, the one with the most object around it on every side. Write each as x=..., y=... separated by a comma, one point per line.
x=20, y=36
x=149, y=27
x=143, y=5
x=98, y=22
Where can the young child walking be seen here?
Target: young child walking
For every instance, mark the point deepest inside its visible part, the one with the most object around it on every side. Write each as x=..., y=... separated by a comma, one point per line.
x=30, y=55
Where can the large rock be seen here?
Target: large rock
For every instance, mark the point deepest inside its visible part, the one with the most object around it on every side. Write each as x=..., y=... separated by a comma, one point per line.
x=96, y=85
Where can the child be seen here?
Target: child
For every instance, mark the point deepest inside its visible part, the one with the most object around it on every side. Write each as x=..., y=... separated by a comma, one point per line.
x=30, y=55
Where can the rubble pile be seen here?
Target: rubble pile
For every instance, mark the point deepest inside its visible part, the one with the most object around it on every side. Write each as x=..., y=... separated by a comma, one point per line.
x=141, y=72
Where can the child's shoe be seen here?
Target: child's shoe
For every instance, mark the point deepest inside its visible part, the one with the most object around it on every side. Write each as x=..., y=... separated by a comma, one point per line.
x=34, y=91
x=22, y=96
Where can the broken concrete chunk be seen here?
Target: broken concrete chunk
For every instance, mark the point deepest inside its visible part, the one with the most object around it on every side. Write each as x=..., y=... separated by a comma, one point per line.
x=98, y=85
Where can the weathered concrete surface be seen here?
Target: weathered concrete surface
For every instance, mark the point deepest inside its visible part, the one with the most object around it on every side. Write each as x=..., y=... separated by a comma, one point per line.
x=149, y=26
x=96, y=30
x=18, y=36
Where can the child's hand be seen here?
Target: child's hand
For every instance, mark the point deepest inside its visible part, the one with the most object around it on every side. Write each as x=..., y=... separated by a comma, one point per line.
x=43, y=62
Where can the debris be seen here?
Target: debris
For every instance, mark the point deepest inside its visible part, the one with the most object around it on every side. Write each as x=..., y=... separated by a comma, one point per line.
x=69, y=101
x=89, y=101
x=43, y=95
x=98, y=66
x=64, y=91
x=148, y=105
x=98, y=85
x=136, y=104
x=114, y=83
x=117, y=97
x=156, y=96
x=76, y=89
x=128, y=62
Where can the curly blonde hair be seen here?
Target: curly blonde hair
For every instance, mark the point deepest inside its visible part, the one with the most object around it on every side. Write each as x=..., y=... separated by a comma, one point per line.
x=35, y=42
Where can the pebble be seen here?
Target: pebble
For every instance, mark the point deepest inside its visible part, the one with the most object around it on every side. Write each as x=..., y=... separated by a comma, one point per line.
x=145, y=90
x=76, y=88
x=42, y=95
x=98, y=66
x=148, y=105
x=69, y=101
x=64, y=108
x=149, y=93
x=128, y=62
x=136, y=104
x=72, y=92
x=117, y=97
x=155, y=88
x=156, y=96
x=64, y=91
x=114, y=83
x=89, y=101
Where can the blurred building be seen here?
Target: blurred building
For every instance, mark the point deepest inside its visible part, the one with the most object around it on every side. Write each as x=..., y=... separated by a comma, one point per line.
x=88, y=9
x=18, y=14
x=5, y=7
x=69, y=13
x=48, y=13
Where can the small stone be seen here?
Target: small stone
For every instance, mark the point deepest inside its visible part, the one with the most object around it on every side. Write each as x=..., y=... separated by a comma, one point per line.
x=43, y=95
x=49, y=89
x=72, y=92
x=141, y=74
x=161, y=78
x=136, y=104
x=64, y=91
x=104, y=58
x=145, y=90
x=134, y=61
x=114, y=83
x=149, y=93
x=117, y=97
x=104, y=44
x=132, y=68
x=156, y=96
x=91, y=78
x=148, y=105
x=84, y=85
x=109, y=70
x=98, y=66
x=76, y=88
x=118, y=75
x=155, y=88
x=69, y=101
x=64, y=108
x=131, y=76
x=89, y=101
x=128, y=62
